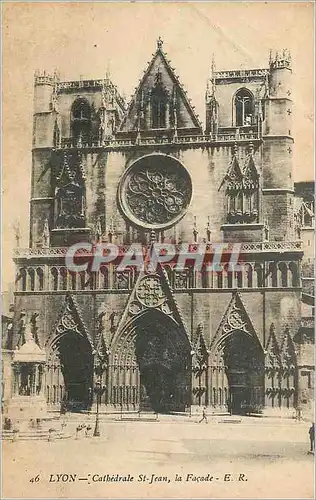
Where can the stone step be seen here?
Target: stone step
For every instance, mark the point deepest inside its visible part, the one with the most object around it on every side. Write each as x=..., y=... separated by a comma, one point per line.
x=137, y=419
x=230, y=420
x=31, y=434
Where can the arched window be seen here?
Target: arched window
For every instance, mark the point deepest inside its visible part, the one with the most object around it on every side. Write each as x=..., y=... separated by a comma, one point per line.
x=72, y=280
x=81, y=120
x=284, y=276
x=63, y=278
x=91, y=280
x=228, y=277
x=259, y=275
x=82, y=280
x=104, y=278
x=204, y=277
x=31, y=273
x=295, y=275
x=238, y=279
x=273, y=274
x=248, y=275
x=40, y=278
x=243, y=104
x=159, y=100
x=22, y=278
x=158, y=106
x=54, y=274
x=219, y=276
x=234, y=201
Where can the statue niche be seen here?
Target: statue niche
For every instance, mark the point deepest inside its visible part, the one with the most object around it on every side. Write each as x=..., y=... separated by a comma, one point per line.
x=70, y=206
x=70, y=192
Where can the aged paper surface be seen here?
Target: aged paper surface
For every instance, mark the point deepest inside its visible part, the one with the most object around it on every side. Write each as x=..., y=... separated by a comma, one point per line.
x=218, y=401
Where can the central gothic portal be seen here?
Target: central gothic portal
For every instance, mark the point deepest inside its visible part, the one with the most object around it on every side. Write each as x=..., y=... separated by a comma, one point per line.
x=160, y=351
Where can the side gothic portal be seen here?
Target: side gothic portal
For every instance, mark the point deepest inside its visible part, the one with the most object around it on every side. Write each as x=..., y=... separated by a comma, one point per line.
x=243, y=360
x=69, y=372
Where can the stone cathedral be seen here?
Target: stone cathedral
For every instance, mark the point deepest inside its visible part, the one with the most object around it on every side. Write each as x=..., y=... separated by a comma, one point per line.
x=149, y=171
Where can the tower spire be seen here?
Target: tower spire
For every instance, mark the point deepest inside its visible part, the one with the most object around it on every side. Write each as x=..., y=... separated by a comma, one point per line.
x=108, y=72
x=213, y=70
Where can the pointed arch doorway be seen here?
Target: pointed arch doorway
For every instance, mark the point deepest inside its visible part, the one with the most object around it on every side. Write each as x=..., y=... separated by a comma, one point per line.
x=158, y=349
x=242, y=357
x=69, y=374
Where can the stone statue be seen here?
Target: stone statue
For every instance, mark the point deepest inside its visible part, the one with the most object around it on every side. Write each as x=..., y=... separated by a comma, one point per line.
x=103, y=322
x=46, y=235
x=21, y=330
x=28, y=334
x=98, y=230
x=33, y=322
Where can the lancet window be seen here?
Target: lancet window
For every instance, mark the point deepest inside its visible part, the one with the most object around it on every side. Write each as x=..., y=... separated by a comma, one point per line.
x=244, y=108
x=159, y=104
x=81, y=120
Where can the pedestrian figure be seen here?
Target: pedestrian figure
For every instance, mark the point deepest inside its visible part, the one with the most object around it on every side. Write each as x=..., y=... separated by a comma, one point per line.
x=204, y=415
x=78, y=429
x=312, y=436
x=298, y=414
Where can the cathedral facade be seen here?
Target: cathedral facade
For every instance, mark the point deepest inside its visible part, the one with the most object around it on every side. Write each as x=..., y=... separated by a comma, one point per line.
x=150, y=172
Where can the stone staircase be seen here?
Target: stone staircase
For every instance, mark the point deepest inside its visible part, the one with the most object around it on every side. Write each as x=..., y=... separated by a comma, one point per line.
x=34, y=434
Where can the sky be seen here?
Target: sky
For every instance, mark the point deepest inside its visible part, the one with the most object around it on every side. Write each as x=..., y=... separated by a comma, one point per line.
x=86, y=39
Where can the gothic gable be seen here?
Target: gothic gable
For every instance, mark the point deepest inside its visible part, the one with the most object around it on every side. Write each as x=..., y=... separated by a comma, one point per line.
x=288, y=355
x=70, y=320
x=69, y=169
x=200, y=356
x=238, y=179
x=250, y=175
x=273, y=359
x=160, y=101
x=235, y=318
x=234, y=176
x=151, y=292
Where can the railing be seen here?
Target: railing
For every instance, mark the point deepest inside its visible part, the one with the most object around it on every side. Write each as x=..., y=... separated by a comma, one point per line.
x=45, y=80
x=112, y=143
x=91, y=84
x=193, y=247
x=241, y=73
x=73, y=142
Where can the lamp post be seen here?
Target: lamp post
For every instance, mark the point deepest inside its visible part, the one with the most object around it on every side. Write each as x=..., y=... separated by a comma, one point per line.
x=99, y=390
x=100, y=368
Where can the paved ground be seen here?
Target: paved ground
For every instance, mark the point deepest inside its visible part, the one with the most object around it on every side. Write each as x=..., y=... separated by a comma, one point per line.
x=254, y=458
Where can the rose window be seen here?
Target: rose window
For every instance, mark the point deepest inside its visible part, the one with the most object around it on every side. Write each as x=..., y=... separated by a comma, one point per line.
x=155, y=191
x=149, y=292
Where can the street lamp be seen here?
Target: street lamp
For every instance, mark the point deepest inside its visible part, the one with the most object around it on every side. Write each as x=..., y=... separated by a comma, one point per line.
x=99, y=390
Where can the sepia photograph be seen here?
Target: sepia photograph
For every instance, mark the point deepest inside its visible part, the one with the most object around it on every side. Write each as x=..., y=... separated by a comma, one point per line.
x=158, y=226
